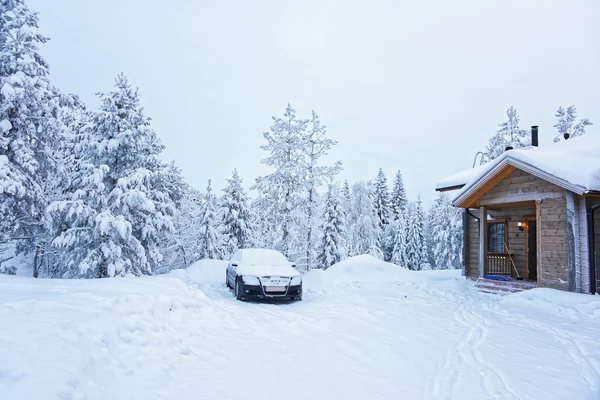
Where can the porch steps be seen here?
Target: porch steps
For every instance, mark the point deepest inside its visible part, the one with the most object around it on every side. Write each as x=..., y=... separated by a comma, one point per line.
x=503, y=287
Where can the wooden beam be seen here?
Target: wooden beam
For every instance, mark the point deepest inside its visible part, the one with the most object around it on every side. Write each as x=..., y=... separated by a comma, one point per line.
x=572, y=236
x=506, y=206
x=483, y=240
x=521, y=198
x=539, y=241
x=465, y=263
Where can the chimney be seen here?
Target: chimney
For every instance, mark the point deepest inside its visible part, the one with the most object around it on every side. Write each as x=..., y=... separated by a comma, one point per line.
x=534, y=135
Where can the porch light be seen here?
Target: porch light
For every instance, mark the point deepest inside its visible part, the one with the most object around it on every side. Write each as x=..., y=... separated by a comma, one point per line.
x=522, y=225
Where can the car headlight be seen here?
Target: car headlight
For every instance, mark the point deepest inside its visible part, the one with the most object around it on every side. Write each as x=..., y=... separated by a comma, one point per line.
x=251, y=280
x=297, y=280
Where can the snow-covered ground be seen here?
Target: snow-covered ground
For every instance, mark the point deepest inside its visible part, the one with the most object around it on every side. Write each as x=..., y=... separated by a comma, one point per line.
x=365, y=330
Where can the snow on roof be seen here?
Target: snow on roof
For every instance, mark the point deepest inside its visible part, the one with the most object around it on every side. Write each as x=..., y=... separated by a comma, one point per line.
x=460, y=179
x=575, y=161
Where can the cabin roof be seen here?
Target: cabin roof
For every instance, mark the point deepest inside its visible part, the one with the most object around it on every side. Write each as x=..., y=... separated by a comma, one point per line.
x=573, y=164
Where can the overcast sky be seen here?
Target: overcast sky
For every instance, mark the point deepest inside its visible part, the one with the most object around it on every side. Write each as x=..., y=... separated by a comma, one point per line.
x=418, y=86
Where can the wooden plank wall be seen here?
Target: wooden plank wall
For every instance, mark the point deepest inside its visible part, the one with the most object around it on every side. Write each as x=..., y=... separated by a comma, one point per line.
x=472, y=260
x=553, y=247
x=516, y=238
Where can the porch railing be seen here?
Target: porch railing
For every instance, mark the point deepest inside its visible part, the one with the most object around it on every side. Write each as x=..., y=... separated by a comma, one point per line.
x=498, y=264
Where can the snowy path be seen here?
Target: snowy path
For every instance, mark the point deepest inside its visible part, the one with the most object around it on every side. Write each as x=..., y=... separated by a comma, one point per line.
x=183, y=336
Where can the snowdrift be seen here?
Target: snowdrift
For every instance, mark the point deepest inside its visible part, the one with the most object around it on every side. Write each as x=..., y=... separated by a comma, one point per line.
x=203, y=272
x=363, y=268
x=557, y=303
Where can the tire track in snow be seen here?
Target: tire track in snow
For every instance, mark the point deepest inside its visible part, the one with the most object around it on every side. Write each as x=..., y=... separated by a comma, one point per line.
x=490, y=375
x=452, y=368
x=449, y=369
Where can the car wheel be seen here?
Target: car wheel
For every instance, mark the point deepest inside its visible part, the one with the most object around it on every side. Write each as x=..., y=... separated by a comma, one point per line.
x=238, y=289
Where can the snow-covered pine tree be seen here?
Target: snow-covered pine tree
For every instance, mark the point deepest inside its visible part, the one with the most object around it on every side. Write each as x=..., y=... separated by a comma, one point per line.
x=265, y=232
x=317, y=145
x=364, y=230
x=29, y=124
x=398, y=199
x=283, y=189
x=210, y=241
x=236, y=215
x=566, y=123
x=112, y=222
x=181, y=245
x=332, y=249
x=416, y=247
x=509, y=134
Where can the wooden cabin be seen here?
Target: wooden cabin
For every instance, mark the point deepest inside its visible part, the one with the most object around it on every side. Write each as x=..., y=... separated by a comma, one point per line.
x=531, y=216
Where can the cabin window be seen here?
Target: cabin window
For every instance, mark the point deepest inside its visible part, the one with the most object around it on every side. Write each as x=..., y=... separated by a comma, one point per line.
x=497, y=237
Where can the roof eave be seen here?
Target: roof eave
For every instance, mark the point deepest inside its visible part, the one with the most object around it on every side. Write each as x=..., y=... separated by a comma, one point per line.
x=510, y=161
x=449, y=188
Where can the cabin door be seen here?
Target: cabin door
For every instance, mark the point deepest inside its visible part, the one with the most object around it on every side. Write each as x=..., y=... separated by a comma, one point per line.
x=532, y=250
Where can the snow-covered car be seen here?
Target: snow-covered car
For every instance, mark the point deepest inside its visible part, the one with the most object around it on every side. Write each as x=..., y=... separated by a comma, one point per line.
x=263, y=274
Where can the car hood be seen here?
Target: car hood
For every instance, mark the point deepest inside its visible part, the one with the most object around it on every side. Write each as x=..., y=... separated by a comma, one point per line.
x=267, y=270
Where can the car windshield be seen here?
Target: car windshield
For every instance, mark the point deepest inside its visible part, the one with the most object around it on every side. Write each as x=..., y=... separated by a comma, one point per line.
x=261, y=257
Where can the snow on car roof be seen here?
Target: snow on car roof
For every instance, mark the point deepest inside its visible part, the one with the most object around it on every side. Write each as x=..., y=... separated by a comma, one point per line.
x=265, y=257
x=576, y=161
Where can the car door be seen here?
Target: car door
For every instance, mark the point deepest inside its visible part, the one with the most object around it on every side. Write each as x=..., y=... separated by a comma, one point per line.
x=232, y=267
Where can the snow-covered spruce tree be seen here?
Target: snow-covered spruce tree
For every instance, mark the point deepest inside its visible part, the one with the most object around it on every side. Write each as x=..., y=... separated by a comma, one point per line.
x=236, y=225
x=332, y=249
x=416, y=246
x=112, y=222
x=29, y=124
x=400, y=245
x=282, y=190
x=398, y=199
x=317, y=145
x=382, y=206
x=428, y=230
x=346, y=199
x=509, y=134
x=210, y=243
x=364, y=230
x=381, y=199
x=566, y=123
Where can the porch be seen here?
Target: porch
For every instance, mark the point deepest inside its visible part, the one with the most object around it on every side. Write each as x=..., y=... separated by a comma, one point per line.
x=502, y=244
